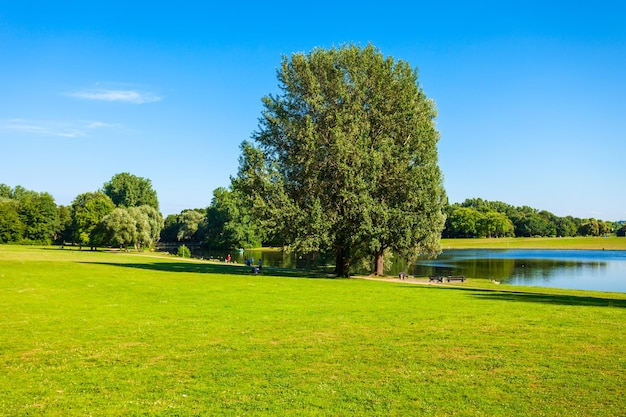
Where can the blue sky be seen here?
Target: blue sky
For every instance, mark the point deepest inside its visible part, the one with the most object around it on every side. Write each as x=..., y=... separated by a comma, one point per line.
x=531, y=96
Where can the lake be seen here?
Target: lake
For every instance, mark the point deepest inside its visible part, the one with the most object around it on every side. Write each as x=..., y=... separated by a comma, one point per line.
x=597, y=270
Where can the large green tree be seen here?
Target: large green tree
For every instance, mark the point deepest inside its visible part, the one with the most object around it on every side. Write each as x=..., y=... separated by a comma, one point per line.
x=11, y=226
x=127, y=190
x=88, y=210
x=229, y=222
x=347, y=157
x=119, y=228
x=38, y=219
x=148, y=222
x=189, y=222
x=64, y=232
x=39, y=215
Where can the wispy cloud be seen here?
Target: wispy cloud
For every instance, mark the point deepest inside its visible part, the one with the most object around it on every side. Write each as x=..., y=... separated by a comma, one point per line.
x=125, y=96
x=53, y=128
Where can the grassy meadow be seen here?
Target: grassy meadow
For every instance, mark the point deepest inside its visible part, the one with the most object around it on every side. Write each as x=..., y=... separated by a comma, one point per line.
x=112, y=334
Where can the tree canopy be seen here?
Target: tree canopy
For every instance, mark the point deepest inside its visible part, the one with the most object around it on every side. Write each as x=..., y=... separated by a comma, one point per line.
x=88, y=210
x=346, y=159
x=127, y=190
x=476, y=217
x=27, y=216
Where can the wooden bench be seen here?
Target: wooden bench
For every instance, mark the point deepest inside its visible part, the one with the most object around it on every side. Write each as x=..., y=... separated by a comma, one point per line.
x=437, y=278
x=456, y=278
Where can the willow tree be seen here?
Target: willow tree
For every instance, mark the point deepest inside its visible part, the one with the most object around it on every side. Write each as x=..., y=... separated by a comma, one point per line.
x=345, y=157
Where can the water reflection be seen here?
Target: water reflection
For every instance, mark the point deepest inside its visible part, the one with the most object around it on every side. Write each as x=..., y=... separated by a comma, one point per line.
x=574, y=269
x=278, y=259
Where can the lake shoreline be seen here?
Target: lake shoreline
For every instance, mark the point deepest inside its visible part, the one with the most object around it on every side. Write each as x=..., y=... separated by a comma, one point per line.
x=562, y=243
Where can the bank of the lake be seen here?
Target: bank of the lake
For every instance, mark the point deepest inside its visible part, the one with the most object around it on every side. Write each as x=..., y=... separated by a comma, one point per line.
x=590, y=243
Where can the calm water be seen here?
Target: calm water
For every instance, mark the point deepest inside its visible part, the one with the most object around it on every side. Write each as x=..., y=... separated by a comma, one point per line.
x=572, y=269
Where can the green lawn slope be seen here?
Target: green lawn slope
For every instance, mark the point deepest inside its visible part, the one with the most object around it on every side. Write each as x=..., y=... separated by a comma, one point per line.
x=117, y=334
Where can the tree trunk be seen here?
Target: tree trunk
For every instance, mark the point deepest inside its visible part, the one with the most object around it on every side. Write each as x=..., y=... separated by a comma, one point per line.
x=379, y=264
x=342, y=264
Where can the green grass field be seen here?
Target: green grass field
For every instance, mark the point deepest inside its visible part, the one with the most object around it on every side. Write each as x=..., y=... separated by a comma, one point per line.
x=112, y=334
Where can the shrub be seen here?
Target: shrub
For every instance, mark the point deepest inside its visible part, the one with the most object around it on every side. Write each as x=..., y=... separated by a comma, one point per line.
x=183, y=252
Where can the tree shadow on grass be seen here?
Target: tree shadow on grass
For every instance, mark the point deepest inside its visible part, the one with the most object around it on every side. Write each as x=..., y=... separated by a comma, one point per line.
x=560, y=299
x=535, y=297
x=213, y=268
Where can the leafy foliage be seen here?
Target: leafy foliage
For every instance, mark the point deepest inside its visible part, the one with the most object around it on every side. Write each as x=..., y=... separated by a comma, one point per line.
x=347, y=158
x=27, y=216
x=188, y=224
x=88, y=210
x=136, y=226
x=120, y=228
x=127, y=190
x=183, y=251
x=481, y=218
x=230, y=223
x=11, y=226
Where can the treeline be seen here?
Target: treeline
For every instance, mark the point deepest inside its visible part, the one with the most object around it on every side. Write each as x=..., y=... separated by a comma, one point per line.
x=227, y=223
x=481, y=218
x=30, y=217
x=123, y=213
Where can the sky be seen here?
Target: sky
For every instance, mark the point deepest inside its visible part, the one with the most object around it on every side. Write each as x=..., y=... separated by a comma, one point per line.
x=531, y=96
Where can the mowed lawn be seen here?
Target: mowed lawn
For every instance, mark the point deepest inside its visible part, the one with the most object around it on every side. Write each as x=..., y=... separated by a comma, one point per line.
x=112, y=334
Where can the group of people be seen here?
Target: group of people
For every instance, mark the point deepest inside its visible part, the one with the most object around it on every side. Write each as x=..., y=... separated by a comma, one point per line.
x=255, y=269
x=249, y=262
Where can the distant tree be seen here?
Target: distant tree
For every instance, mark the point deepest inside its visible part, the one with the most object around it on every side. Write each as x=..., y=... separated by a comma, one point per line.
x=494, y=224
x=127, y=190
x=88, y=210
x=485, y=205
x=566, y=226
x=604, y=228
x=621, y=232
x=6, y=192
x=120, y=228
x=527, y=221
x=347, y=158
x=19, y=193
x=38, y=213
x=64, y=232
x=169, y=233
x=143, y=236
x=148, y=223
x=189, y=222
x=11, y=227
x=589, y=227
x=155, y=221
x=463, y=222
x=532, y=224
x=230, y=223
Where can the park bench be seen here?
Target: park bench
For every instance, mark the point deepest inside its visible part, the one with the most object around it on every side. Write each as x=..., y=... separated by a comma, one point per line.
x=456, y=278
x=437, y=278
